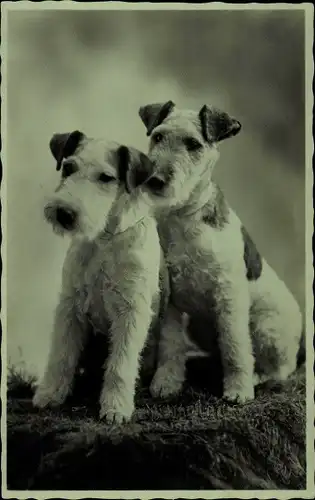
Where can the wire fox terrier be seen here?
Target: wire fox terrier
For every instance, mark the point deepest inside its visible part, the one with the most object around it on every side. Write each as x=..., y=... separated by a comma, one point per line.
x=218, y=280
x=112, y=270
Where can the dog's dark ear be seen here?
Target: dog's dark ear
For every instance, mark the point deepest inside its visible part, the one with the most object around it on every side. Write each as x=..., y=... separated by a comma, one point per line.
x=216, y=125
x=135, y=168
x=154, y=114
x=63, y=145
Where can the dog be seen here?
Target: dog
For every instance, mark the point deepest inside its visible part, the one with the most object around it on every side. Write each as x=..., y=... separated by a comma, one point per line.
x=220, y=284
x=113, y=275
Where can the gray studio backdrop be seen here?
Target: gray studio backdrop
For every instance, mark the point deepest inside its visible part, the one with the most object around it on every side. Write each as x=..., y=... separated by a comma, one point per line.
x=92, y=70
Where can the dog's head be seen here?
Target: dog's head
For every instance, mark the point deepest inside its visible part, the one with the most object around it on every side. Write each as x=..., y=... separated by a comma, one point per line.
x=183, y=147
x=100, y=185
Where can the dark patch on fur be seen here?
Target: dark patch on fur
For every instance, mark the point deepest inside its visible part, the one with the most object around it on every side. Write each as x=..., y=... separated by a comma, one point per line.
x=140, y=168
x=216, y=212
x=64, y=145
x=301, y=355
x=69, y=167
x=217, y=125
x=153, y=115
x=123, y=163
x=252, y=257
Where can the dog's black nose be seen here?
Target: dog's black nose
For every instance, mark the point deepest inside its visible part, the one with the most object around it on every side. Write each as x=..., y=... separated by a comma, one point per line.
x=66, y=218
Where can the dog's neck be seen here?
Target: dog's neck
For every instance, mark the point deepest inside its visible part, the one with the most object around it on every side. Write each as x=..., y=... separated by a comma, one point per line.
x=120, y=225
x=121, y=238
x=125, y=217
x=201, y=195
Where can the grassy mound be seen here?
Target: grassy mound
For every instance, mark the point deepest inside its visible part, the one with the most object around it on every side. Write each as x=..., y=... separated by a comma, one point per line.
x=192, y=442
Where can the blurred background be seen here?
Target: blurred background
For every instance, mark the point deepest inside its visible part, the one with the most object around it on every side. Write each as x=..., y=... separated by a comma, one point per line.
x=91, y=70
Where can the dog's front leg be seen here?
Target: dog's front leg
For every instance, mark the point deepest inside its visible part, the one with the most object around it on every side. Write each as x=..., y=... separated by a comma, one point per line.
x=128, y=334
x=232, y=307
x=68, y=340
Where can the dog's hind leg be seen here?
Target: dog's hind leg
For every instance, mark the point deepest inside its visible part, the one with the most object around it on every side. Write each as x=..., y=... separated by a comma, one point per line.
x=276, y=346
x=68, y=340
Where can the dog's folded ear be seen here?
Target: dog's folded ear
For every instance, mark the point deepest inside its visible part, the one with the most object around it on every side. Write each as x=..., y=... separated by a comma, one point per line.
x=154, y=114
x=135, y=168
x=63, y=145
x=216, y=125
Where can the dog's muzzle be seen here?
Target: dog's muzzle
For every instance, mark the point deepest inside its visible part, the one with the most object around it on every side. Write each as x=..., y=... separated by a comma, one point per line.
x=62, y=216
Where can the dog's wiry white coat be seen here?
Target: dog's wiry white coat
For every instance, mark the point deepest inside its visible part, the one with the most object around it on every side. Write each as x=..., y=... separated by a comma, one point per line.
x=109, y=279
x=259, y=321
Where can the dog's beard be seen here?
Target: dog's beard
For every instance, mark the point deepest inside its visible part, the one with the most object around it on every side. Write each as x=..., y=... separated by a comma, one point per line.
x=177, y=193
x=83, y=227
x=90, y=214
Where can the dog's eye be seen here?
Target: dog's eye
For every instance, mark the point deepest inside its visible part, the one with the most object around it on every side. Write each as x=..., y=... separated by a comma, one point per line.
x=155, y=184
x=192, y=144
x=105, y=179
x=68, y=168
x=157, y=138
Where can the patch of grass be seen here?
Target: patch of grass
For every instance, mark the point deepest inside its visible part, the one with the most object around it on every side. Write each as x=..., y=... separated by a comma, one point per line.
x=20, y=383
x=195, y=441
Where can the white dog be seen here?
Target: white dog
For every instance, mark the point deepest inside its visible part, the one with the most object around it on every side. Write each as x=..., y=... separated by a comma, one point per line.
x=111, y=271
x=217, y=275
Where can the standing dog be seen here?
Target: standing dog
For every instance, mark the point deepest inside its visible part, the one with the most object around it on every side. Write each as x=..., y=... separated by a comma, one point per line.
x=111, y=272
x=217, y=276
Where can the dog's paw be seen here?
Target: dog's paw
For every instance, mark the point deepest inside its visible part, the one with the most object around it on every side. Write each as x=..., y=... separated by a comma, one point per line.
x=48, y=396
x=116, y=410
x=239, y=395
x=166, y=383
x=114, y=417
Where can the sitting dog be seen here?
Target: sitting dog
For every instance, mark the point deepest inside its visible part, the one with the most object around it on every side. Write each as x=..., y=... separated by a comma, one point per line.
x=217, y=276
x=111, y=272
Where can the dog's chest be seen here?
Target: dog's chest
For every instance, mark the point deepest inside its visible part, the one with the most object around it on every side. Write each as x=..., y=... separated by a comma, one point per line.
x=98, y=275
x=107, y=279
x=192, y=266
